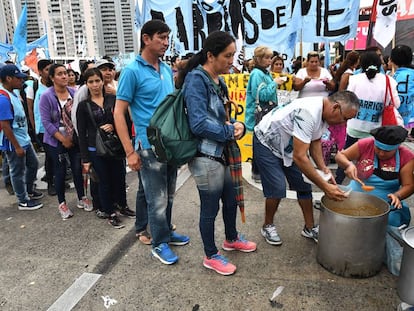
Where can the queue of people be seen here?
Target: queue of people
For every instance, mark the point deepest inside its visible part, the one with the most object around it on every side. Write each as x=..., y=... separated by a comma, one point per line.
x=286, y=138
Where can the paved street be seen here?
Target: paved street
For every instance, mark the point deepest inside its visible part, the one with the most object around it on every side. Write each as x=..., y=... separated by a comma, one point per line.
x=84, y=264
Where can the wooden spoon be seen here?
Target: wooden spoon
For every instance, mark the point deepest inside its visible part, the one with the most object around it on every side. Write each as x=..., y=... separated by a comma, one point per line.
x=364, y=186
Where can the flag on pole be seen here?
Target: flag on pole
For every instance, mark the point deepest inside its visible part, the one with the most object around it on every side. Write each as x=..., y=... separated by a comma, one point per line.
x=20, y=36
x=5, y=49
x=384, y=29
x=41, y=43
x=137, y=17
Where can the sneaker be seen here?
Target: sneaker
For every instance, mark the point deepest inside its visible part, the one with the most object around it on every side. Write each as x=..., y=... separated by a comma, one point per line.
x=178, y=239
x=164, y=253
x=241, y=244
x=311, y=233
x=115, y=222
x=64, y=211
x=9, y=188
x=30, y=205
x=405, y=307
x=126, y=211
x=144, y=237
x=270, y=234
x=102, y=214
x=35, y=195
x=86, y=204
x=220, y=264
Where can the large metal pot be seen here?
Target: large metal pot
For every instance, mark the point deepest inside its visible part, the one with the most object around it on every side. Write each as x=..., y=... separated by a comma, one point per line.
x=405, y=286
x=352, y=246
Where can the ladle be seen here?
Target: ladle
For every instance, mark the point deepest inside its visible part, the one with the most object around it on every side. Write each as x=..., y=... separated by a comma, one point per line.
x=364, y=186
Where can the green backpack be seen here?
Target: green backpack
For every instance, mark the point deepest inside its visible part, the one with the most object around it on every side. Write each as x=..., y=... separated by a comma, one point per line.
x=169, y=132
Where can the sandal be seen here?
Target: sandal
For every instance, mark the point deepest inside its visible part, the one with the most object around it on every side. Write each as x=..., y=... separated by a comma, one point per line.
x=144, y=237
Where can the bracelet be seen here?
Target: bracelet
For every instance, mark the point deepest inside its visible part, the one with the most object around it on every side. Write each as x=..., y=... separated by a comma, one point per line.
x=129, y=153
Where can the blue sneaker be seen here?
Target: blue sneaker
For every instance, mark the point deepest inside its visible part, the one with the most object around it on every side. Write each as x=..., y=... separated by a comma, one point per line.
x=164, y=253
x=178, y=239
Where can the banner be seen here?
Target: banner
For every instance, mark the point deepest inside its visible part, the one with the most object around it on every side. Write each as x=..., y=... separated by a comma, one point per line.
x=386, y=18
x=5, y=49
x=275, y=24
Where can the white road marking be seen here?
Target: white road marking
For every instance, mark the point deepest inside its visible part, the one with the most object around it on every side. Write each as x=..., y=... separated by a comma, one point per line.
x=75, y=292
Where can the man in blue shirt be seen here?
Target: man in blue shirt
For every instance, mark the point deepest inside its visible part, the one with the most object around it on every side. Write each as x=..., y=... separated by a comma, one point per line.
x=142, y=86
x=15, y=140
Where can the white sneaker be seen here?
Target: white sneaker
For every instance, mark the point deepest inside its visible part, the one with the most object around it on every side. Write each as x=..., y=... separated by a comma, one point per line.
x=86, y=204
x=269, y=232
x=311, y=233
x=64, y=211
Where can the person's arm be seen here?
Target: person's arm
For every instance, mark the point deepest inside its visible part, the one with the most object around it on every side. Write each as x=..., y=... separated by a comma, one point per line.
x=345, y=158
x=301, y=159
x=315, y=151
x=407, y=185
x=343, y=83
x=8, y=131
x=121, y=127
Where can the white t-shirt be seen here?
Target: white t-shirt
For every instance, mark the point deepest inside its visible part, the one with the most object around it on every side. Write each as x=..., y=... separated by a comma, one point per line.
x=302, y=119
x=371, y=94
x=314, y=87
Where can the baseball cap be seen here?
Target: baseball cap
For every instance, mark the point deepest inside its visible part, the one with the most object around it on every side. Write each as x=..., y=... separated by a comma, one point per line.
x=104, y=63
x=11, y=71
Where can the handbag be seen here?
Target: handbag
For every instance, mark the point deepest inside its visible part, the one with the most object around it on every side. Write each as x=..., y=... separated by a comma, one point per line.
x=107, y=144
x=260, y=110
x=388, y=113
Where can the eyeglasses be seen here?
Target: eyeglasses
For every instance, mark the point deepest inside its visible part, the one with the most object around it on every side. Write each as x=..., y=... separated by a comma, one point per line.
x=343, y=118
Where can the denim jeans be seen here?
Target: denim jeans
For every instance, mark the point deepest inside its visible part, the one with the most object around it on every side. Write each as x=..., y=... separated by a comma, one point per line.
x=214, y=183
x=58, y=158
x=111, y=185
x=141, y=209
x=5, y=172
x=23, y=172
x=158, y=181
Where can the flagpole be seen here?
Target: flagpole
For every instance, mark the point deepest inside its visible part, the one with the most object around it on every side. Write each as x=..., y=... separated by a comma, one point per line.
x=371, y=22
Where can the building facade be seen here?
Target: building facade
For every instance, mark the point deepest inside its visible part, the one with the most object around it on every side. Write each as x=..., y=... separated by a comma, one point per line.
x=76, y=28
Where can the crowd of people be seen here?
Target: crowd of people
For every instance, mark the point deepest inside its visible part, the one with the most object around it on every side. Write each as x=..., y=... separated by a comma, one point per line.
x=63, y=112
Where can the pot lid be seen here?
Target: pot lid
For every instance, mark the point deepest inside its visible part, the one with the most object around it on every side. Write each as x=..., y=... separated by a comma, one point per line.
x=408, y=236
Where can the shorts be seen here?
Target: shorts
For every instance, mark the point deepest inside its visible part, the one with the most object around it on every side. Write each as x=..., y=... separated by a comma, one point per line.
x=274, y=174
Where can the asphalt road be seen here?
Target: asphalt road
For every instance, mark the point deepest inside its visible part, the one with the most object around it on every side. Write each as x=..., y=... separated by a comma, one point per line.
x=84, y=264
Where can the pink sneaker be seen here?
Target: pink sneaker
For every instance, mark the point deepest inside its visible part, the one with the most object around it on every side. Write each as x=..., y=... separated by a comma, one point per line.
x=220, y=264
x=241, y=244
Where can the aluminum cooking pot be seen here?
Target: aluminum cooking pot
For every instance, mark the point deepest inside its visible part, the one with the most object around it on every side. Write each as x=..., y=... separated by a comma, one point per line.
x=352, y=234
x=405, y=286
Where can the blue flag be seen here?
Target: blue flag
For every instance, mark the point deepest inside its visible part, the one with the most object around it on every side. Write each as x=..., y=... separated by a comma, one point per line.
x=41, y=43
x=5, y=49
x=20, y=36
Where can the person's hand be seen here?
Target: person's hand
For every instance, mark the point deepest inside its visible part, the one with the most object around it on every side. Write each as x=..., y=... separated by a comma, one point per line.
x=334, y=192
x=307, y=79
x=109, y=89
x=107, y=127
x=134, y=161
x=20, y=152
x=279, y=80
x=351, y=171
x=238, y=130
x=395, y=200
x=86, y=167
x=67, y=142
x=327, y=171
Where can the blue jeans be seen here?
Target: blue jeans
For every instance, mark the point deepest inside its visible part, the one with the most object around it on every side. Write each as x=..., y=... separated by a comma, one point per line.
x=57, y=156
x=158, y=181
x=214, y=183
x=111, y=173
x=23, y=172
x=141, y=209
x=5, y=169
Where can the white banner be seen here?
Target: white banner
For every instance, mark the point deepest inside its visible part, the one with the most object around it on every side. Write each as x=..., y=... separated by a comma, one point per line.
x=384, y=29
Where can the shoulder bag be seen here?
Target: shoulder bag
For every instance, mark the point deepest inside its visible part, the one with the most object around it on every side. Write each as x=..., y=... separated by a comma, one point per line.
x=108, y=144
